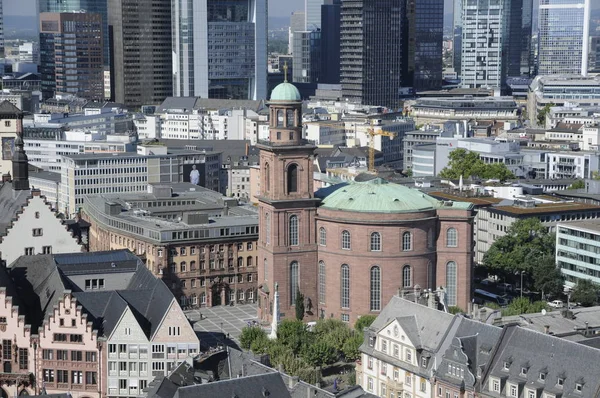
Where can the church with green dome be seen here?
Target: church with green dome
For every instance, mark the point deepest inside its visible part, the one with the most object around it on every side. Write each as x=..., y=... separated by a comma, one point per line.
x=349, y=248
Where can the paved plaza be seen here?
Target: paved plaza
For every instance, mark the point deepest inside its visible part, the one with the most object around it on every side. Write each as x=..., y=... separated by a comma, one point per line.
x=221, y=321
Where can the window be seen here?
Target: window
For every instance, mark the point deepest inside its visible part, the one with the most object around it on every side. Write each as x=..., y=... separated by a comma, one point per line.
x=396, y=351
x=37, y=232
x=523, y=371
x=345, y=318
x=183, y=266
x=48, y=375
x=384, y=346
x=268, y=228
x=7, y=123
x=345, y=240
x=77, y=377
x=29, y=251
x=451, y=237
x=322, y=280
x=513, y=390
x=62, y=376
x=174, y=331
x=496, y=386
x=90, y=356
x=293, y=230
x=48, y=354
x=560, y=382
x=91, y=378
x=375, y=289
x=267, y=177
x=266, y=269
x=370, y=384
x=578, y=387
x=37, y=214
x=293, y=282
x=280, y=118
x=430, y=238
x=408, y=380
x=423, y=385
x=292, y=178
x=531, y=394
x=408, y=356
x=375, y=242
x=406, y=276
x=407, y=241
x=322, y=237
x=76, y=356
x=290, y=118
x=345, y=286
x=451, y=282
x=23, y=358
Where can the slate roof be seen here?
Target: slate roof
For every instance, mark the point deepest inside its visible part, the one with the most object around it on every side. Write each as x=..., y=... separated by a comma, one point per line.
x=104, y=309
x=11, y=202
x=105, y=261
x=542, y=353
x=7, y=108
x=191, y=103
x=265, y=385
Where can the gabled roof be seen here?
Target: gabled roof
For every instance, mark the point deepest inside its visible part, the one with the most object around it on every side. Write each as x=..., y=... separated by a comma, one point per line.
x=7, y=108
x=104, y=309
x=266, y=385
x=11, y=202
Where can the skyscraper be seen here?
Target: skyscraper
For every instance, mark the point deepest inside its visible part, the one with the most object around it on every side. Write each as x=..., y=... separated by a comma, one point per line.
x=307, y=57
x=425, y=33
x=220, y=48
x=71, y=60
x=312, y=13
x=1, y=31
x=141, y=62
x=330, y=41
x=457, y=32
x=91, y=6
x=495, y=43
x=297, y=24
x=563, y=43
x=371, y=48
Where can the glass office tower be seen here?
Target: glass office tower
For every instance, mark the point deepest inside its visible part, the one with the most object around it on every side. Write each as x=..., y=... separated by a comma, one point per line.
x=93, y=6
x=563, y=42
x=312, y=12
x=219, y=48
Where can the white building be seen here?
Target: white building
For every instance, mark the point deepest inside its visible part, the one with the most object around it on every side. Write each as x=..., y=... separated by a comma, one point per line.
x=238, y=179
x=148, y=127
x=572, y=164
x=578, y=251
x=11, y=122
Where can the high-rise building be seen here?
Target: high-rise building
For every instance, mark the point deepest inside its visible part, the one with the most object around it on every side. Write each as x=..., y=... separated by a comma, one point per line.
x=495, y=43
x=141, y=59
x=312, y=13
x=297, y=23
x=71, y=54
x=91, y=6
x=457, y=32
x=594, y=62
x=563, y=37
x=371, y=49
x=220, y=49
x=425, y=31
x=307, y=57
x=1, y=31
x=330, y=41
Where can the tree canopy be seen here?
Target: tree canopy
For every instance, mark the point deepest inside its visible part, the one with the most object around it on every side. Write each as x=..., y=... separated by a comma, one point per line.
x=467, y=163
x=579, y=184
x=585, y=293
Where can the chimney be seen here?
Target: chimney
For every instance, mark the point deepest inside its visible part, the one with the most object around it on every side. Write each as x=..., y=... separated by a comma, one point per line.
x=35, y=192
x=547, y=329
x=292, y=381
x=6, y=177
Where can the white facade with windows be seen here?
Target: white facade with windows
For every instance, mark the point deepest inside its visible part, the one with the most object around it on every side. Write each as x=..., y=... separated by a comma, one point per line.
x=578, y=251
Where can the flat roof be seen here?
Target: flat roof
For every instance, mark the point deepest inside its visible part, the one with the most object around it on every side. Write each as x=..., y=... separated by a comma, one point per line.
x=545, y=208
x=95, y=156
x=589, y=225
x=478, y=201
x=558, y=324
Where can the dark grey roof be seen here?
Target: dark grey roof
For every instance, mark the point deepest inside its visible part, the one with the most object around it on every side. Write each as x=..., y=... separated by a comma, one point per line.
x=7, y=108
x=190, y=103
x=162, y=388
x=542, y=353
x=265, y=385
x=106, y=261
x=104, y=309
x=11, y=202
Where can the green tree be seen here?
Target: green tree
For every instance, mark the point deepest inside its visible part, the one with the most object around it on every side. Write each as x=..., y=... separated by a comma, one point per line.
x=466, y=163
x=319, y=353
x=292, y=334
x=455, y=310
x=261, y=345
x=364, y=322
x=585, y=293
x=299, y=305
x=520, y=249
x=579, y=184
x=522, y=305
x=249, y=335
x=541, y=117
x=497, y=171
x=351, y=346
x=547, y=278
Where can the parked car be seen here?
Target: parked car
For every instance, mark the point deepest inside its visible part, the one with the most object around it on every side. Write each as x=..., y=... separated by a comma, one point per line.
x=556, y=304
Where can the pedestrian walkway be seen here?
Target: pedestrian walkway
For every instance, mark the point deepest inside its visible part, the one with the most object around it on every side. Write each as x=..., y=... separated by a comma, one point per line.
x=214, y=324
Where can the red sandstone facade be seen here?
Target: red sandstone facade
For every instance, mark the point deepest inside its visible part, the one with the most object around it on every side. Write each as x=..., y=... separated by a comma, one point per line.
x=300, y=244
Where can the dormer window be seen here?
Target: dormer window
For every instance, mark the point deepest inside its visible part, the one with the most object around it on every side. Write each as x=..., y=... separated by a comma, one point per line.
x=560, y=382
x=384, y=346
x=506, y=366
x=371, y=341
x=578, y=387
x=524, y=371
x=542, y=376
x=424, y=362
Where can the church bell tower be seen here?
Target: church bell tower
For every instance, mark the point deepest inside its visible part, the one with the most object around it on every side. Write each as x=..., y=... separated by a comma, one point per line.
x=287, y=238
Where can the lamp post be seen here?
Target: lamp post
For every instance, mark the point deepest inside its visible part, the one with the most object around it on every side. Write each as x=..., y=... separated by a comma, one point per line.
x=522, y=272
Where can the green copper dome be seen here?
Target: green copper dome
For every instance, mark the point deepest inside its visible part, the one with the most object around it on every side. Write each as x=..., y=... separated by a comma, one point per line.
x=375, y=196
x=285, y=92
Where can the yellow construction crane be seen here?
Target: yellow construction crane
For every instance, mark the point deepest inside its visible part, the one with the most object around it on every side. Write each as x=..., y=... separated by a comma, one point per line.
x=372, y=133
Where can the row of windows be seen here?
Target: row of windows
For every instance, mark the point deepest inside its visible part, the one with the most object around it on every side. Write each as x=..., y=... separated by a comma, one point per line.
x=76, y=376
x=375, y=240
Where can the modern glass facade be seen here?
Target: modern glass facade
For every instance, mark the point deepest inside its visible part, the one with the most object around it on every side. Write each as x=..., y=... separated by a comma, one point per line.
x=94, y=6
x=578, y=251
x=219, y=48
x=563, y=36
x=306, y=57
x=330, y=42
x=312, y=12
x=371, y=51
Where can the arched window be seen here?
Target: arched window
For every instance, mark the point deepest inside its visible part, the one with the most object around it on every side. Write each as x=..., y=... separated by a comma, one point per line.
x=406, y=241
x=293, y=282
x=375, y=289
x=322, y=237
x=240, y=261
x=266, y=273
x=406, y=276
x=249, y=261
x=451, y=237
x=346, y=240
x=290, y=118
x=293, y=230
x=322, y=286
x=292, y=178
x=183, y=266
x=268, y=228
x=345, y=286
x=375, y=242
x=430, y=238
x=451, y=283
x=267, y=177
x=280, y=118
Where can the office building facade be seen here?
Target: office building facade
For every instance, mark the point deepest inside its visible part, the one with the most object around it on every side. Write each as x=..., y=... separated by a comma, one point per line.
x=307, y=57
x=297, y=23
x=220, y=49
x=563, y=43
x=141, y=62
x=91, y=6
x=71, y=55
x=577, y=251
x=312, y=13
x=330, y=42
x=371, y=49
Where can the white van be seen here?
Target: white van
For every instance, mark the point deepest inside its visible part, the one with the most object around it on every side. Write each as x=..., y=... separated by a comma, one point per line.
x=556, y=304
